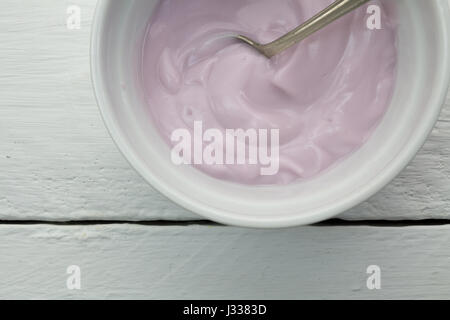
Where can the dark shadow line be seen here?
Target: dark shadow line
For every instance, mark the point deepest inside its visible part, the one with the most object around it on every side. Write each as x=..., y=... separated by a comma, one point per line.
x=329, y=223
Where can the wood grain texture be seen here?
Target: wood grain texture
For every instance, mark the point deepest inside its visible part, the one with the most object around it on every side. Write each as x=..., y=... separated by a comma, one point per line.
x=213, y=262
x=57, y=161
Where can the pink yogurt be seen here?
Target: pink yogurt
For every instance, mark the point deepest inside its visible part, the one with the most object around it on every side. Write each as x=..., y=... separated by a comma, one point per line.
x=326, y=95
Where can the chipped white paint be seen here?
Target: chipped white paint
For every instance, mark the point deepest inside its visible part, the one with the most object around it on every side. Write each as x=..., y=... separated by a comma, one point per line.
x=213, y=262
x=57, y=161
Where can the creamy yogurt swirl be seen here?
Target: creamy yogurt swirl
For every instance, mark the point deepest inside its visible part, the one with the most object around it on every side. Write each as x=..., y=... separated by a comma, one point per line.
x=326, y=95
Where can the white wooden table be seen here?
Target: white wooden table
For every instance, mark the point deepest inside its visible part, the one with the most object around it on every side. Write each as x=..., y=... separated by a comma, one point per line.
x=58, y=165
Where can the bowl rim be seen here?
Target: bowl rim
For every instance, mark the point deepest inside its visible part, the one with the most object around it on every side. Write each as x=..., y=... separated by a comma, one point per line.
x=392, y=170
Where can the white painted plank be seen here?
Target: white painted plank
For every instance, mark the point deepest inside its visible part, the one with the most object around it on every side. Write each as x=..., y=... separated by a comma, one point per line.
x=213, y=262
x=57, y=161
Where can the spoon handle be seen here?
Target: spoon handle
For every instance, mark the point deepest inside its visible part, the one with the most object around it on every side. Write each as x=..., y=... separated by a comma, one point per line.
x=336, y=10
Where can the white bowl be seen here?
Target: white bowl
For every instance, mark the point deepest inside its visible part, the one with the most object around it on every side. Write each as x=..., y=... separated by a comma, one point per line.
x=423, y=79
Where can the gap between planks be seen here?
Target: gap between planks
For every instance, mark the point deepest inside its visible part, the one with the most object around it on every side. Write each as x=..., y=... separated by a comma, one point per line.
x=162, y=223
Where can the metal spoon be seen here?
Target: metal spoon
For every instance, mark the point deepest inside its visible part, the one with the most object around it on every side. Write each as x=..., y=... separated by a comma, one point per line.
x=336, y=10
